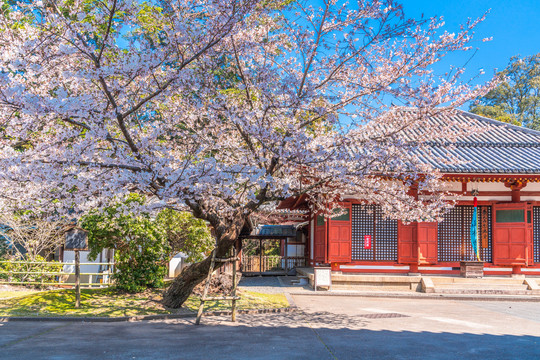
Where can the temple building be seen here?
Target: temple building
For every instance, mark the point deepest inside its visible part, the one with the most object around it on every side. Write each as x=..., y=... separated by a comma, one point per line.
x=500, y=166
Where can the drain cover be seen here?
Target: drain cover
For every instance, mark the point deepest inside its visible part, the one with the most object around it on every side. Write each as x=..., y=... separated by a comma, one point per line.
x=383, y=316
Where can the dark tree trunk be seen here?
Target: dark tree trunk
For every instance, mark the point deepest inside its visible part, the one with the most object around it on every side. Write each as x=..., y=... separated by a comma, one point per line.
x=183, y=285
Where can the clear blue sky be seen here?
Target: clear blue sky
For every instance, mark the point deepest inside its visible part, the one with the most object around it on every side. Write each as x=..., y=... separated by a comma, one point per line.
x=513, y=24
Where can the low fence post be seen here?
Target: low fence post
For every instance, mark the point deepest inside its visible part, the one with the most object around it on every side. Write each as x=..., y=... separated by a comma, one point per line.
x=260, y=257
x=77, y=279
x=286, y=256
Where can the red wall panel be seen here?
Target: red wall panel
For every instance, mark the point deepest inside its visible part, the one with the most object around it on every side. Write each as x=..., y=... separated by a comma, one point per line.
x=407, y=245
x=339, y=238
x=512, y=241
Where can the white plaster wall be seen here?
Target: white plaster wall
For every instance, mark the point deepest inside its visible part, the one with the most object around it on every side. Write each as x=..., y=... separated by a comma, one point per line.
x=471, y=198
x=487, y=186
x=533, y=186
x=452, y=186
x=530, y=198
x=488, y=198
x=69, y=257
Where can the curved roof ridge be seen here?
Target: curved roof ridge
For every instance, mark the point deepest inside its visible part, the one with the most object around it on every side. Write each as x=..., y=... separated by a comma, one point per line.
x=500, y=123
x=484, y=143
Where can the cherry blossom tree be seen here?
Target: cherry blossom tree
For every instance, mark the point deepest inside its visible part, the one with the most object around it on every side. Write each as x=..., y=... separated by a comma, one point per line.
x=222, y=107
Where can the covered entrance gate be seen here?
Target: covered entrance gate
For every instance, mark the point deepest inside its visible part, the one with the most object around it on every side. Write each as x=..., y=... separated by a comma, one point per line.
x=274, y=250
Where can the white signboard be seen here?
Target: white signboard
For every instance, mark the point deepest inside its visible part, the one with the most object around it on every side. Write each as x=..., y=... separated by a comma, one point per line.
x=323, y=277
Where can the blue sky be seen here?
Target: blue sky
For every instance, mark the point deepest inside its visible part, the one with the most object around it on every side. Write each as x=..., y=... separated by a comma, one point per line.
x=513, y=24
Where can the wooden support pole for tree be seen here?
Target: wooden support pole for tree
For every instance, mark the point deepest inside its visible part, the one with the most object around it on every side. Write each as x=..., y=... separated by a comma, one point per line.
x=260, y=257
x=206, y=286
x=77, y=279
x=286, y=256
x=233, y=315
x=232, y=297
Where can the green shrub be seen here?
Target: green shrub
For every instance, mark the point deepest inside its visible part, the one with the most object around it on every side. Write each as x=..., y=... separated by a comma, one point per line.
x=144, y=244
x=140, y=246
x=186, y=234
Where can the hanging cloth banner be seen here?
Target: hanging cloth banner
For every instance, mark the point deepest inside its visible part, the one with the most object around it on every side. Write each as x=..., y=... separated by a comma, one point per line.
x=474, y=230
x=367, y=242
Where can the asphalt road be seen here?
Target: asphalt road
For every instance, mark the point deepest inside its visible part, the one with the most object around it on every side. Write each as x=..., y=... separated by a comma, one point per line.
x=326, y=327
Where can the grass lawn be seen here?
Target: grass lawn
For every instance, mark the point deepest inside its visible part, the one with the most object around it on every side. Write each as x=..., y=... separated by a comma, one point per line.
x=112, y=303
x=5, y=294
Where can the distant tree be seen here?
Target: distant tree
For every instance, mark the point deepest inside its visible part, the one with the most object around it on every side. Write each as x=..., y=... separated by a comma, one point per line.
x=4, y=249
x=186, y=234
x=32, y=239
x=517, y=99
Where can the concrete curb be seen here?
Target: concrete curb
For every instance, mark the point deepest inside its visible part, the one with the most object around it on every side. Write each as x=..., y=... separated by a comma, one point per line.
x=95, y=318
x=290, y=299
x=142, y=317
x=425, y=296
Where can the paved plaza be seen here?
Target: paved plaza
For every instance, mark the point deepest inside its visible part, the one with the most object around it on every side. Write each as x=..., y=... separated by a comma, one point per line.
x=324, y=327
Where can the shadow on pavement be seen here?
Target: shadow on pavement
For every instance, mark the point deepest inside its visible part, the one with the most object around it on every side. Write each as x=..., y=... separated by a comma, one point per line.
x=318, y=335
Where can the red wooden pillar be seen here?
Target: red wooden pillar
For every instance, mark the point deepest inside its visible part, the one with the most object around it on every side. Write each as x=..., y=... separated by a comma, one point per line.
x=319, y=240
x=516, y=187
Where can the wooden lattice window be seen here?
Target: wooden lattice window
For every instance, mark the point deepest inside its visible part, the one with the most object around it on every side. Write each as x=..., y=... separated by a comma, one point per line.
x=454, y=234
x=536, y=232
x=368, y=220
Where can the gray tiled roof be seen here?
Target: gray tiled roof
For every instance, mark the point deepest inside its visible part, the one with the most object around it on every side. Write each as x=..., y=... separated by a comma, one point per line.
x=501, y=148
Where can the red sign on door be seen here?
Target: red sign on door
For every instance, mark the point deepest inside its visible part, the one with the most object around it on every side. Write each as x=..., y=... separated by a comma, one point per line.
x=367, y=242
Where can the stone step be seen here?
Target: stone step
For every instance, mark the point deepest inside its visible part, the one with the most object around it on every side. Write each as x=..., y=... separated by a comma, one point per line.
x=442, y=284
x=373, y=287
x=482, y=286
x=485, y=280
x=359, y=279
x=482, y=291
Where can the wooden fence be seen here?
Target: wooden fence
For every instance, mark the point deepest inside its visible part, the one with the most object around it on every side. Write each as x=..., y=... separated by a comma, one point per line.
x=256, y=263
x=39, y=273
